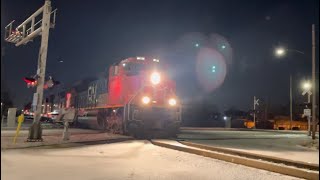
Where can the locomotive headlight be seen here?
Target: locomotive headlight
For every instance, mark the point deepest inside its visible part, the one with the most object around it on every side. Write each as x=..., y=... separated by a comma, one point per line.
x=155, y=78
x=145, y=100
x=172, y=102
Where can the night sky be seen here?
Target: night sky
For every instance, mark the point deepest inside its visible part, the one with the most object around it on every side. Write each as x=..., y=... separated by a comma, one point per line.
x=91, y=35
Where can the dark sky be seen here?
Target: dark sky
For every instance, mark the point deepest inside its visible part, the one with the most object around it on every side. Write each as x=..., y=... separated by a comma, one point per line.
x=91, y=35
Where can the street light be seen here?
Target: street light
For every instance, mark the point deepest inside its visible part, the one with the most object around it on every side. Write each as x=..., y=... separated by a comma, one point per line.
x=306, y=86
x=280, y=51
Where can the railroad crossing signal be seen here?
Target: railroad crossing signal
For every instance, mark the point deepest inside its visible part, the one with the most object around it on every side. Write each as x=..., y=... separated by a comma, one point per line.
x=31, y=82
x=256, y=102
x=20, y=36
x=305, y=92
x=51, y=82
x=309, y=94
x=307, y=112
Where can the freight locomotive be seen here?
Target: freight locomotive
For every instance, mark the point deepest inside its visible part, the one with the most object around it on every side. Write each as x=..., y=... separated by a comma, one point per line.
x=136, y=98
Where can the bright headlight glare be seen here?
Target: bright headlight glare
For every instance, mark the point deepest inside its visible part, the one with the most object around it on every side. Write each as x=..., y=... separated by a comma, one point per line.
x=155, y=78
x=172, y=102
x=145, y=100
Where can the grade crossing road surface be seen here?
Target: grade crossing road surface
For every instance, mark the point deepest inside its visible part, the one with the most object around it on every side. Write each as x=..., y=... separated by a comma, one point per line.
x=134, y=159
x=293, y=145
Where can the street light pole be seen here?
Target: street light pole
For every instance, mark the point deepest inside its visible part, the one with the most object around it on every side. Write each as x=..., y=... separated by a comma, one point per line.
x=255, y=102
x=290, y=102
x=254, y=111
x=313, y=83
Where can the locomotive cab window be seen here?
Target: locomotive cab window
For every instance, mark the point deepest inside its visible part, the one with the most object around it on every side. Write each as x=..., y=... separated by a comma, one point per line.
x=132, y=69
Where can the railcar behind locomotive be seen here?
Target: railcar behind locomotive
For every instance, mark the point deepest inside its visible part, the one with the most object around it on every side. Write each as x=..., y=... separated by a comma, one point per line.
x=137, y=98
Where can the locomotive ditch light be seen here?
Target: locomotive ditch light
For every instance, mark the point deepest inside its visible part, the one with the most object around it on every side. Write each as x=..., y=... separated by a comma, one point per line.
x=155, y=78
x=146, y=100
x=172, y=102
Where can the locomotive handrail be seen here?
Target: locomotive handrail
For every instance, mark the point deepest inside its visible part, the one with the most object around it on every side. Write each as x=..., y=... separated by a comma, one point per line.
x=133, y=98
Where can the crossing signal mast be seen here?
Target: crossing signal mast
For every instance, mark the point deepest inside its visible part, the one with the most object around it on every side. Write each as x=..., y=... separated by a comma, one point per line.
x=25, y=33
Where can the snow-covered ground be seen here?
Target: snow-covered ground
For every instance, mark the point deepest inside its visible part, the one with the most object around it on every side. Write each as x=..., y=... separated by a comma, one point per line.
x=128, y=160
x=294, y=146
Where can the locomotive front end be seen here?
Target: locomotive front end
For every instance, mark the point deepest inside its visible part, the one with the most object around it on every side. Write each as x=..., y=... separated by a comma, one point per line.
x=155, y=108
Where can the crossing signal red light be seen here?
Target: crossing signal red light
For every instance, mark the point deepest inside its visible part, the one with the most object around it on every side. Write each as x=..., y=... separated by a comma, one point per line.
x=31, y=82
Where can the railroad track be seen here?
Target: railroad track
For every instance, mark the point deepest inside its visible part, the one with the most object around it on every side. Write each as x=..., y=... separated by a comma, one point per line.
x=269, y=163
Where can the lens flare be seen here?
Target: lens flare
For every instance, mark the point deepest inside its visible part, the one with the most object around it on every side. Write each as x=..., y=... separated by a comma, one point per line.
x=222, y=45
x=211, y=69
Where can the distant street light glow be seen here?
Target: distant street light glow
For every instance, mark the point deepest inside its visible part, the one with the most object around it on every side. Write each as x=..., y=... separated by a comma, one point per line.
x=280, y=51
x=225, y=117
x=196, y=45
x=306, y=86
x=223, y=46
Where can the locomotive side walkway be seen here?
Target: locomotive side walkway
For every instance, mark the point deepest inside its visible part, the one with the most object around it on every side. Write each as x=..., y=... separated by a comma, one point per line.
x=54, y=137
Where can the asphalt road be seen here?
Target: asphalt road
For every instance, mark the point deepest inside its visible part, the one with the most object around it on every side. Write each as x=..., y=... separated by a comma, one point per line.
x=295, y=145
x=128, y=160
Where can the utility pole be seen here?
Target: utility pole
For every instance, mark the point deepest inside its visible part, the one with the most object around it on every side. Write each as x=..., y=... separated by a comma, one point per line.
x=313, y=111
x=254, y=111
x=266, y=110
x=290, y=102
x=307, y=111
x=255, y=102
x=21, y=36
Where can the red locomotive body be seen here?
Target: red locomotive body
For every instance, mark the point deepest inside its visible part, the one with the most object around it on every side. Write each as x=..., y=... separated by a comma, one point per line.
x=141, y=100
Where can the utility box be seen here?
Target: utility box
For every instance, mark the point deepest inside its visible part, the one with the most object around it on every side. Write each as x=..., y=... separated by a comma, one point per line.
x=11, y=120
x=228, y=122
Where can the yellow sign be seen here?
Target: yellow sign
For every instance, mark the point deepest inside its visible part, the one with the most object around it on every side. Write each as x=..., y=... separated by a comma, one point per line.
x=20, y=121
